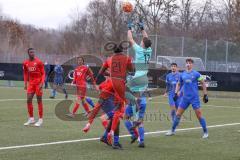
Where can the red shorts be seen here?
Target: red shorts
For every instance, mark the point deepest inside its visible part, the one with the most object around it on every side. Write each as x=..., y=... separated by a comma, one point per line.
x=81, y=92
x=34, y=88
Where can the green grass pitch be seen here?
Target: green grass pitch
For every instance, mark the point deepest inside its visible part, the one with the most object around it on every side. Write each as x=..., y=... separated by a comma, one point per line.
x=223, y=142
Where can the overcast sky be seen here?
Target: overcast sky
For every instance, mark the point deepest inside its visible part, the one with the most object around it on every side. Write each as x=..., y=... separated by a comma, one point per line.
x=42, y=13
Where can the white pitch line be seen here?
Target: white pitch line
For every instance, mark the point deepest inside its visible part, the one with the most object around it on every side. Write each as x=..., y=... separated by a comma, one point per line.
x=93, y=139
x=214, y=106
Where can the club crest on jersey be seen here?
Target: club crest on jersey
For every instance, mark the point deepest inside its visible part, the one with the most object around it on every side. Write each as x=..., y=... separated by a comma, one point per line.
x=31, y=69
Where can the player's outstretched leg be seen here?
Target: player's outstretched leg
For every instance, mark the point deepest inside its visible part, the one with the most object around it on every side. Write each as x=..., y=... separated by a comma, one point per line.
x=202, y=122
x=142, y=108
x=176, y=121
x=30, y=110
x=92, y=115
x=128, y=123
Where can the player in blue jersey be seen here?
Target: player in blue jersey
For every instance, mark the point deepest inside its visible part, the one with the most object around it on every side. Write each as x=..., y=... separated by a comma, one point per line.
x=189, y=81
x=58, y=80
x=171, y=82
x=137, y=85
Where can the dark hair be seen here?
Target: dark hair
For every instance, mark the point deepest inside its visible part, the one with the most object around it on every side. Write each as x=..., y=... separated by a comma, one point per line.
x=189, y=60
x=118, y=49
x=81, y=58
x=147, y=42
x=173, y=64
x=29, y=49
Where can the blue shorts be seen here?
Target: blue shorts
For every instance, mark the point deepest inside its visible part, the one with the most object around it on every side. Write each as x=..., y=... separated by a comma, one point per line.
x=108, y=105
x=185, y=102
x=141, y=110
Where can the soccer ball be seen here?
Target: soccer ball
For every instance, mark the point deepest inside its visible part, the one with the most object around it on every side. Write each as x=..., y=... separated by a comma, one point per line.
x=127, y=7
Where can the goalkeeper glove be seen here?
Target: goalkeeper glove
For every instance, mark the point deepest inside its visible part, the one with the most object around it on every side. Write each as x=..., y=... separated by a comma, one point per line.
x=175, y=97
x=205, y=98
x=141, y=25
x=130, y=25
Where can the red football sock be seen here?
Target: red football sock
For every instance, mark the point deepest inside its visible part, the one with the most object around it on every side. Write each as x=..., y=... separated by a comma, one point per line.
x=104, y=121
x=75, y=108
x=30, y=109
x=86, y=107
x=116, y=119
x=94, y=112
x=136, y=132
x=40, y=109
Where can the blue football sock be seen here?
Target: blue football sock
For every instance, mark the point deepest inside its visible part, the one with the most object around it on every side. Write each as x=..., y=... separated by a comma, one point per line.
x=116, y=139
x=203, y=124
x=90, y=102
x=105, y=134
x=141, y=133
x=175, y=122
x=173, y=114
x=54, y=92
x=128, y=125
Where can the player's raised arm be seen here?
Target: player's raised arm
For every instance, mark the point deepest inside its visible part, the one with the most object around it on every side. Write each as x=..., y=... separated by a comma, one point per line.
x=130, y=36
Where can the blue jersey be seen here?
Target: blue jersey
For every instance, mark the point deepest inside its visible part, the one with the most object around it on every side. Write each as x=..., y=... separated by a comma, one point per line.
x=189, y=82
x=171, y=82
x=58, y=74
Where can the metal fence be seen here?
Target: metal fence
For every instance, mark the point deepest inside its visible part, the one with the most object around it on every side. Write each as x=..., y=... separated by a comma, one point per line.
x=217, y=56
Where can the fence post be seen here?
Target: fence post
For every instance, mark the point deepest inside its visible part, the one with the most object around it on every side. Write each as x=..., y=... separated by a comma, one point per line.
x=226, y=56
x=182, y=45
x=155, y=47
x=206, y=54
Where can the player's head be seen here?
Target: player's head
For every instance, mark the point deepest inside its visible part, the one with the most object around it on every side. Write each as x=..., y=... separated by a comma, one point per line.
x=146, y=42
x=57, y=62
x=31, y=53
x=174, y=67
x=189, y=63
x=118, y=49
x=80, y=61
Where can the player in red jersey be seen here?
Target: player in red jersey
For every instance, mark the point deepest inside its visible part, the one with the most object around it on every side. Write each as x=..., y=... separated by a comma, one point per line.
x=119, y=65
x=80, y=80
x=34, y=76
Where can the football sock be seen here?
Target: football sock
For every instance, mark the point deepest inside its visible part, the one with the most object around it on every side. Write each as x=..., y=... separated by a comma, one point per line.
x=176, y=122
x=141, y=132
x=203, y=124
x=76, y=106
x=40, y=110
x=173, y=114
x=30, y=109
x=90, y=102
x=128, y=125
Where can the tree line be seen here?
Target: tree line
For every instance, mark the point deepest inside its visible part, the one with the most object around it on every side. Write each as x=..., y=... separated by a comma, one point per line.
x=105, y=21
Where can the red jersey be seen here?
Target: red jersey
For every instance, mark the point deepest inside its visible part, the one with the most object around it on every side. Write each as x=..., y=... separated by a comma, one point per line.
x=33, y=71
x=118, y=65
x=80, y=75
